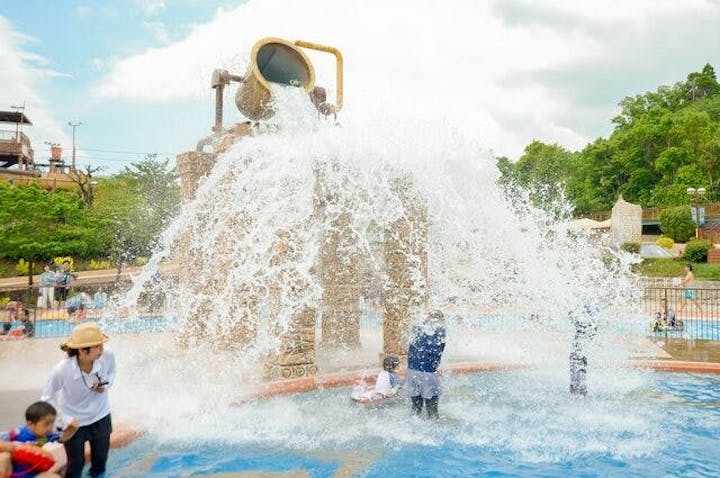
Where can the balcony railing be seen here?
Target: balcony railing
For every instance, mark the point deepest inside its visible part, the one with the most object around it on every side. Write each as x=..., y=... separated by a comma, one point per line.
x=15, y=142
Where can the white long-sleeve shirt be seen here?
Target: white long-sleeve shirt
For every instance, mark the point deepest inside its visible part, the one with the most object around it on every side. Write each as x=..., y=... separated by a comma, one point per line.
x=66, y=389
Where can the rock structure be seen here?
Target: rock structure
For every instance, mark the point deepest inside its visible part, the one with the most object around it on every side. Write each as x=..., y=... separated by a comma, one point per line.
x=626, y=222
x=193, y=166
x=338, y=270
x=295, y=357
x=405, y=250
x=339, y=267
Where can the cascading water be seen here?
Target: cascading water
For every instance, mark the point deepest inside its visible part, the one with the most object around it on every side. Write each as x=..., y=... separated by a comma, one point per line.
x=484, y=251
x=508, y=275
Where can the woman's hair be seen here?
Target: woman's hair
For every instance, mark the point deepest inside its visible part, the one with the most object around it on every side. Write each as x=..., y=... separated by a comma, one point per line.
x=70, y=351
x=689, y=266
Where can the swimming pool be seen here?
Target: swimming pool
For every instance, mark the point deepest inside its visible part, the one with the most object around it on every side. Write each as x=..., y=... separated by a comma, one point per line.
x=704, y=330
x=63, y=328
x=493, y=424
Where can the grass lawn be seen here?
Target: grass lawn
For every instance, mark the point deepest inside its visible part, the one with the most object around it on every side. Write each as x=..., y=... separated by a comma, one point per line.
x=676, y=268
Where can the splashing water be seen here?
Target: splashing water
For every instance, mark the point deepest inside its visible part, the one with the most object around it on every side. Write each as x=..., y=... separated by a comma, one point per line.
x=488, y=255
x=485, y=251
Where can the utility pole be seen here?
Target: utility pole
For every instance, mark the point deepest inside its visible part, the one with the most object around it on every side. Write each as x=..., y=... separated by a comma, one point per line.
x=74, y=125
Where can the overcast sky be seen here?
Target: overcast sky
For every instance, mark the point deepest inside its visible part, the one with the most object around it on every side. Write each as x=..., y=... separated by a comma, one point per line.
x=136, y=73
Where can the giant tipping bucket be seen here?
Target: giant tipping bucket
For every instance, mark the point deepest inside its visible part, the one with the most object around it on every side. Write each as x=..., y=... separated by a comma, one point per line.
x=273, y=60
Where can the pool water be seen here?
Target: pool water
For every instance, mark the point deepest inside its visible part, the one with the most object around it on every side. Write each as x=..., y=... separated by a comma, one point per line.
x=63, y=328
x=500, y=424
x=59, y=327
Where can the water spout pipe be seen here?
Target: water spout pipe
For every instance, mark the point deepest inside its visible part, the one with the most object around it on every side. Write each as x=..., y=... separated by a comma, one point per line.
x=219, y=79
x=339, y=67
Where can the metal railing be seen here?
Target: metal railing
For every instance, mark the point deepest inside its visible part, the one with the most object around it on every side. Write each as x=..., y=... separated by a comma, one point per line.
x=712, y=209
x=58, y=321
x=697, y=312
x=7, y=135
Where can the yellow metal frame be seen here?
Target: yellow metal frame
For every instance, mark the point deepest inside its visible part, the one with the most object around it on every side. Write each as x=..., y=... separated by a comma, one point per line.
x=338, y=68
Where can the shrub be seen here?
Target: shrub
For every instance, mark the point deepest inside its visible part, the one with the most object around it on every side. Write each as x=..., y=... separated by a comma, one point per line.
x=140, y=261
x=59, y=260
x=632, y=247
x=696, y=251
x=665, y=242
x=100, y=264
x=677, y=223
x=22, y=267
x=4, y=301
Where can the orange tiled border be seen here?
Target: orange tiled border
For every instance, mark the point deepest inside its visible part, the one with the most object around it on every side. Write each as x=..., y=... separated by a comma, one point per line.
x=678, y=366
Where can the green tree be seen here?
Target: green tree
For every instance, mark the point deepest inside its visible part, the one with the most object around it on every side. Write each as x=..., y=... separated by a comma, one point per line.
x=701, y=84
x=543, y=169
x=677, y=223
x=134, y=207
x=664, y=141
x=37, y=225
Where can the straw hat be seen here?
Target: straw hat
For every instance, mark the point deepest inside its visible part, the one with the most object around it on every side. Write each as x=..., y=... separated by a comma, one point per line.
x=85, y=335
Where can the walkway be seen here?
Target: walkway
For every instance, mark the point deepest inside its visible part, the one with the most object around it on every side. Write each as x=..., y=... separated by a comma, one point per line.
x=102, y=276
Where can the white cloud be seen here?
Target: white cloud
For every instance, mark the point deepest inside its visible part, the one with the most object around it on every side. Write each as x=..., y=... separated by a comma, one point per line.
x=152, y=7
x=487, y=65
x=98, y=64
x=21, y=77
x=160, y=33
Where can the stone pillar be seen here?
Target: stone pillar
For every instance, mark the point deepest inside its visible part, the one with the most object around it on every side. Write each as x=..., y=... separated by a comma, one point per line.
x=193, y=165
x=240, y=330
x=341, y=286
x=295, y=357
x=338, y=270
x=405, y=250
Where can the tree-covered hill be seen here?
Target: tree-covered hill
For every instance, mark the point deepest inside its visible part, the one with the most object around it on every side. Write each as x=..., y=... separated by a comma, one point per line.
x=663, y=142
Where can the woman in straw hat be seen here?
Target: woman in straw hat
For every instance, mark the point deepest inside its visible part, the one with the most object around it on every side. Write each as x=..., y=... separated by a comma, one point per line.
x=81, y=381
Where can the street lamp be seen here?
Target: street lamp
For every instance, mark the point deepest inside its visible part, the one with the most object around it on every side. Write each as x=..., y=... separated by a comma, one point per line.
x=694, y=193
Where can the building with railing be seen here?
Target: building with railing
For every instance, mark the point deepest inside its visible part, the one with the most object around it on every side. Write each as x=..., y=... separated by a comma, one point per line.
x=17, y=157
x=15, y=147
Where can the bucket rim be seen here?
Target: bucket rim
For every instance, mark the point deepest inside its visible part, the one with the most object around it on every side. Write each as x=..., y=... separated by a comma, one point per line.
x=270, y=40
